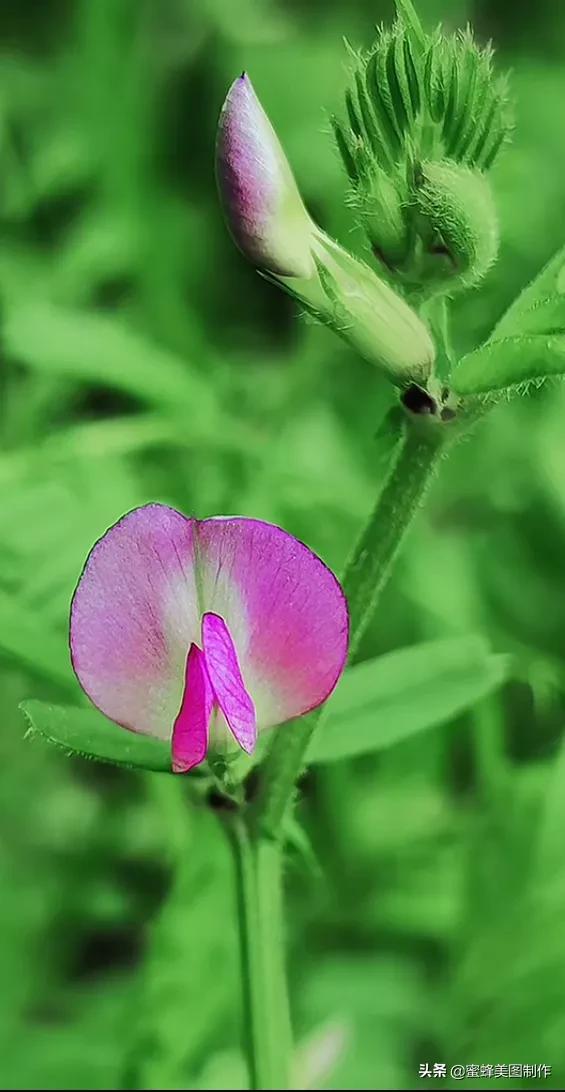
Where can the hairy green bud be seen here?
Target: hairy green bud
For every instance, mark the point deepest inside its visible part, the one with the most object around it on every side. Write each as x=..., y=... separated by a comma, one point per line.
x=381, y=209
x=456, y=224
x=418, y=102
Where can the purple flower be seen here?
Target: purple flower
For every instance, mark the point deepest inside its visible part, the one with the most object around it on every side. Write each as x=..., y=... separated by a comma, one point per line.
x=205, y=631
x=263, y=207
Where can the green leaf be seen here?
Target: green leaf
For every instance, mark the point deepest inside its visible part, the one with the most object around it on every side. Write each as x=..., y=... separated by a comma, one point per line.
x=508, y=363
x=548, y=284
x=434, y=77
x=376, y=141
x=354, y=119
x=87, y=733
x=491, y=123
x=414, y=74
x=345, y=150
x=398, y=83
x=380, y=94
x=88, y=347
x=389, y=699
x=461, y=139
x=462, y=89
x=453, y=92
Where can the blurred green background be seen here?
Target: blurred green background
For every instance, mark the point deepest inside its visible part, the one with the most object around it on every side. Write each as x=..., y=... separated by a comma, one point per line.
x=142, y=359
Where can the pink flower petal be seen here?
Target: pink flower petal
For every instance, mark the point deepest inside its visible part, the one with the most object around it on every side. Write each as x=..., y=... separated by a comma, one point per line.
x=134, y=617
x=227, y=681
x=139, y=604
x=190, y=732
x=285, y=611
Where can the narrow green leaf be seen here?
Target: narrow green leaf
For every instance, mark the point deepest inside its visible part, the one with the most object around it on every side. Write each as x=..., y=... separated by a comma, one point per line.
x=466, y=65
x=462, y=138
x=88, y=347
x=453, y=92
x=434, y=78
x=498, y=135
x=345, y=150
x=398, y=84
x=398, y=695
x=414, y=70
x=375, y=137
x=482, y=129
x=353, y=115
x=87, y=733
x=379, y=93
x=549, y=283
x=510, y=362
x=491, y=139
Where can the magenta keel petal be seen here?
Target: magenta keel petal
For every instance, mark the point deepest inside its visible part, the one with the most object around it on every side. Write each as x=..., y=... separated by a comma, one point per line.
x=227, y=681
x=190, y=732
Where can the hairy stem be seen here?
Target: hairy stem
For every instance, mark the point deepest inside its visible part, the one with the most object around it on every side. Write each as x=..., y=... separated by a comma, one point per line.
x=365, y=575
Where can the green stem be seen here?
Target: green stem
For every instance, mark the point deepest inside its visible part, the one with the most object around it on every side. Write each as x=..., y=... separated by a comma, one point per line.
x=258, y=845
x=265, y=997
x=365, y=575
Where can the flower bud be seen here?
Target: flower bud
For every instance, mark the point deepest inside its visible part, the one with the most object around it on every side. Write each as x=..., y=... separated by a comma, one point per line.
x=263, y=208
x=427, y=113
x=270, y=224
x=382, y=212
x=457, y=222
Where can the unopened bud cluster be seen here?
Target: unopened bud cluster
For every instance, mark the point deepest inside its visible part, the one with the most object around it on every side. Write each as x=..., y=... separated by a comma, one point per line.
x=425, y=120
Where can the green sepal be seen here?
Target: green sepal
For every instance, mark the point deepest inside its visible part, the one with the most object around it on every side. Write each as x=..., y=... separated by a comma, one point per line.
x=353, y=115
x=399, y=84
x=379, y=92
x=465, y=66
x=451, y=94
x=434, y=77
x=408, y=18
x=377, y=142
x=345, y=149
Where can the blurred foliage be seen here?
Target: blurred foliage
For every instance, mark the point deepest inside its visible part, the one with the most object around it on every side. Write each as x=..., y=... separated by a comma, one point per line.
x=141, y=360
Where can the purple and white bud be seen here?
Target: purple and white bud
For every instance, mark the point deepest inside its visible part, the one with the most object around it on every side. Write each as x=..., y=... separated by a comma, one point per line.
x=268, y=220
x=262, y=205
